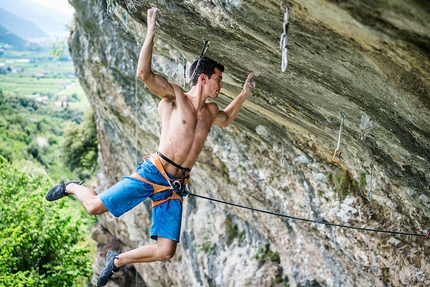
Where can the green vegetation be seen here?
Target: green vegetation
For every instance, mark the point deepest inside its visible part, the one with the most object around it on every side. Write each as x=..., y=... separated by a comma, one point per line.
x=206, y=245
x=233, y=231
x=79, y=148
x=34, y=131
x=264, y=254
x=42, y=244
x=343, y=183
x=285, y=280
x=362, y=183
x=320, y=193
x=47, y=135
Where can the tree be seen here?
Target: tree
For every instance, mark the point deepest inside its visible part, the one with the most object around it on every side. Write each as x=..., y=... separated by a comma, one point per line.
x=39, y=239
x=58, y=49
x=79, y=147
x=1, y=98
x=38, y=152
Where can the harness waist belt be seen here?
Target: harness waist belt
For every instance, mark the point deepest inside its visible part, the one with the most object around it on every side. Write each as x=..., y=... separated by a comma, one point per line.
x=174, y=185
x=173, y=163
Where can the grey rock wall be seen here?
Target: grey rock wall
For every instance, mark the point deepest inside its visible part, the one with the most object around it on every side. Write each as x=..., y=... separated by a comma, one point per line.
x=366, y=59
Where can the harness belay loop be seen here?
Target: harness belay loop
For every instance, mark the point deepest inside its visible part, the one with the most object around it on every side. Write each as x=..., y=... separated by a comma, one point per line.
x=180, y=188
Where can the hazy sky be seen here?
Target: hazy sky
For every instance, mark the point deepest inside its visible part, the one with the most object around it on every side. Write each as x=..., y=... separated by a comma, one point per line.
x=61, y=5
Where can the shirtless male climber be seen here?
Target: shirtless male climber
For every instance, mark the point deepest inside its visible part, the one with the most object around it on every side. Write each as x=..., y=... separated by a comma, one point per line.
x=186, y=121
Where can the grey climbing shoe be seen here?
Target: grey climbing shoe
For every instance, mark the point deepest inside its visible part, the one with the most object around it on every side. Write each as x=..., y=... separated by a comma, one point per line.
x=59, y=190
x=109, y=269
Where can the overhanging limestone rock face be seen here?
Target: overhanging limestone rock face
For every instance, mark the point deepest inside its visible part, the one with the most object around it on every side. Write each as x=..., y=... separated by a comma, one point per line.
x=369, y=60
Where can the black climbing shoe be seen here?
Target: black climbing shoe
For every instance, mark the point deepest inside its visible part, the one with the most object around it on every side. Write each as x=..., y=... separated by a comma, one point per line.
x=59, y=190
x=109, y=269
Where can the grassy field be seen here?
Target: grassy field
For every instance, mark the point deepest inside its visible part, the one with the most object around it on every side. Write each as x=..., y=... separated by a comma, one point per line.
x=39, y=73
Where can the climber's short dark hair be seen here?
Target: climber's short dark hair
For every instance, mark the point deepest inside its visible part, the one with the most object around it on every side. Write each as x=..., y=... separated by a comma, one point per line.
x=206, y=66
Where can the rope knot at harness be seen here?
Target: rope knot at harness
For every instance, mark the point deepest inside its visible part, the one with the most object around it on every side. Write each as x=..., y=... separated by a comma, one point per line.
x=180, y=188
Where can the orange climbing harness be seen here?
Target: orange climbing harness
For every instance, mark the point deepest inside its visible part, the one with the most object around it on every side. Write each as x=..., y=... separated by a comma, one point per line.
x=157, y=187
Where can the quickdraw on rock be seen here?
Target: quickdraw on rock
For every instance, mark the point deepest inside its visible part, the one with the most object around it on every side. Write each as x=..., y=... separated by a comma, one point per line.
x=110, y=7
x=369, y=194
x=283, y=42
x=338, y=152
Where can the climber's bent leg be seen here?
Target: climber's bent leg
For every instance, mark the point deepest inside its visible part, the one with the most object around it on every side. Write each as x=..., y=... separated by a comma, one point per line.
x=89, y=198
x=164, y=249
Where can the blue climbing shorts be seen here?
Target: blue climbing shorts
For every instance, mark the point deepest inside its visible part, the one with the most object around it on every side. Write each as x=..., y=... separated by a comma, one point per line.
x=129, y=192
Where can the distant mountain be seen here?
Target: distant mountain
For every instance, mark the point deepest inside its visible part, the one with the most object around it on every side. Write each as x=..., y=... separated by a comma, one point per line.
x=10, y=38
x=7, y=37
x=20, y=26
x=51, y=22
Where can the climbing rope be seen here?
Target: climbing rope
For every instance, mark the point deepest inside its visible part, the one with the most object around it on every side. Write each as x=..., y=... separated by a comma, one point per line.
x=185, y=72
x=115, y=235
x=336, y=156
x=369, y=194
x=283, y=42
x=137, y=119
x=427, y=235
x=184, y=61
x=338, y=152
x=204, y=48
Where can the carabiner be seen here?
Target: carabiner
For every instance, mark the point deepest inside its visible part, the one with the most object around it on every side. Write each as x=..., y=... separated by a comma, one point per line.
x=338, y=151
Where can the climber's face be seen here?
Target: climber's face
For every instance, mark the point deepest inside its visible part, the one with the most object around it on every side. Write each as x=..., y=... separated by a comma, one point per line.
x=214, y=84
